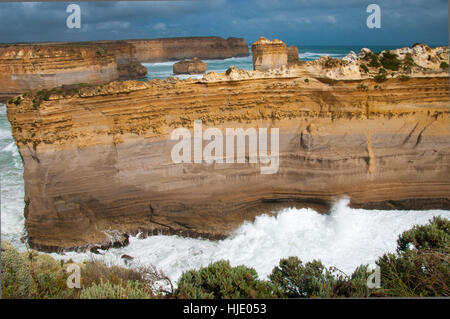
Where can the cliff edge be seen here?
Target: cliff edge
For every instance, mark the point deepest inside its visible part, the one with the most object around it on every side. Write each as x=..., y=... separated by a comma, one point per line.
x=98, y=164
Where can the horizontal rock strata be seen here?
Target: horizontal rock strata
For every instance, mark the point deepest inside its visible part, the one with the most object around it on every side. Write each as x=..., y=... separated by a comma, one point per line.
x=25, y=67
x=29, y=67
x=97, y=162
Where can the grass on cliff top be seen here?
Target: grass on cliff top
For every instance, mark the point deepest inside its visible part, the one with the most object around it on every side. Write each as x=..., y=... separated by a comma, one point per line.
x=419, y=268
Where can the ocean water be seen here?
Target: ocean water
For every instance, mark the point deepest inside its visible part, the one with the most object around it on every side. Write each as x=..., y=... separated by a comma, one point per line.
x=163, y=70
x=344, y=238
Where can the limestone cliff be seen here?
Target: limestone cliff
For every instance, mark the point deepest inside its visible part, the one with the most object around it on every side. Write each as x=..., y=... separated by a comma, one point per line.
x=25, y=67
x=97, y=159
x=170, y=49
x=36, y=67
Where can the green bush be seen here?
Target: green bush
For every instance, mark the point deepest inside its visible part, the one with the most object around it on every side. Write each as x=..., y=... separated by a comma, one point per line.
x=108, y=290
x=422, y=264
x=296, y=280
x=94, y=271
x=374, y=61
x=390, y=61
x=444, y=65
x=17, y=282
x=415, y=273
x=434, y=235
x=220, y=280
x=364, y=68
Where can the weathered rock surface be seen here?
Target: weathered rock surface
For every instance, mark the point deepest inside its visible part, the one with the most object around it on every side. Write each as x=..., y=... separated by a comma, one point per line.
x=292, y=53
x=130, y=68
x=30, y=67
x=170, y=49
x=194, y=66
x=25, y=67
x=97, y=162
x=269, y=55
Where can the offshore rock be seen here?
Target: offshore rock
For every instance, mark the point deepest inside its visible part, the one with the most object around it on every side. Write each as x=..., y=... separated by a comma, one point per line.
x=269, y=55
x=194, y=66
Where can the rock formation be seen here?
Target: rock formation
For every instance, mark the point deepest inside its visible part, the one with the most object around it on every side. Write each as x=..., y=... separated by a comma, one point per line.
x=171, y=49
x=97, y=160
x=269, y=54
x=292, y=54
x=25, y=67
x=194, y=66
x=36, y=67
x=130, y=68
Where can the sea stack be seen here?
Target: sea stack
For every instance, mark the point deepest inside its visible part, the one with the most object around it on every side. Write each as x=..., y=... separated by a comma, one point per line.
x=268, y=54
x=194, y=66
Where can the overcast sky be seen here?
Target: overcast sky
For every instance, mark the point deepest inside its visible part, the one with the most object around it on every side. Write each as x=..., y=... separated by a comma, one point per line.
x=301, y=22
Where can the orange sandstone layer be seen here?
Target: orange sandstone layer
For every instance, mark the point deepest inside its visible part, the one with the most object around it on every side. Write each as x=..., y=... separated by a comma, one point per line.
x=35, y=67
x=97, y=162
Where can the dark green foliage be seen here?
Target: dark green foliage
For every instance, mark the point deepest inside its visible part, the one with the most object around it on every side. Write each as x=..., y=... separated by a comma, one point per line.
x=364, y=68
x=40, y=96
x=374, y=61
x=303, y=281
x=404, y=77
x=415, y=273
x=434, y=235
x=408, y=60
x=390, y=61
x=422, y=264
x=220, y=280
x=444, y=65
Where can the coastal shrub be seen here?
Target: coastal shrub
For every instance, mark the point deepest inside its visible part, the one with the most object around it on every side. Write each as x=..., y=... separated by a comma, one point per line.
x=95, y=272
x=17, y=282
x=421, y=266
x=415, y=273
x=408, y=60
x=353, y=286
x=364, y=68
x=374, y=61
x=390, y=61
x=108, y=290
x=49, y=276
x=404, y=77
x=444, y=65
x=434, y=235
x=296, y=280
x=220, y=280
x=380, y=77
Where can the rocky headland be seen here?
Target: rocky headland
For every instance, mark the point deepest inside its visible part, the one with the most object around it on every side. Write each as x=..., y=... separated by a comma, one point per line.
x=37, y=66
x=97, y=159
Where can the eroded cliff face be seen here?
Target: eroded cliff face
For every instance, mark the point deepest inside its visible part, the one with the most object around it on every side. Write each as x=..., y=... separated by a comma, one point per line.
x=25, y=67
x=170, y=49
x=97, y=161
x=36, y=67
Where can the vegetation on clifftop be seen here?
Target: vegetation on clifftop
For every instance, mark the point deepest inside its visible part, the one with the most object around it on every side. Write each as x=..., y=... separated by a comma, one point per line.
x=419, y=268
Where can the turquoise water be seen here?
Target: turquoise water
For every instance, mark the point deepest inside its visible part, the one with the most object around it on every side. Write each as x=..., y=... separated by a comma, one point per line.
x=163, y=70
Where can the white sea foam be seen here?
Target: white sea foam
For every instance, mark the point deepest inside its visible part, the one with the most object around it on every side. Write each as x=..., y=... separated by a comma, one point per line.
x=345, y=238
